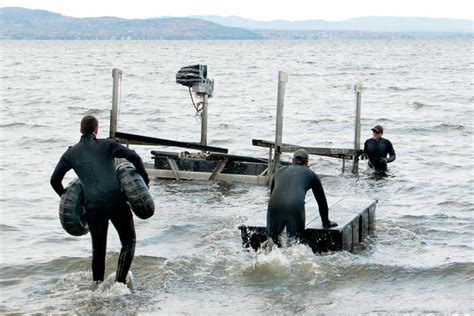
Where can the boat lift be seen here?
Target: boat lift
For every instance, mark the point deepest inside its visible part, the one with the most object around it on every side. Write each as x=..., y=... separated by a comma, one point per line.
x=214, y=163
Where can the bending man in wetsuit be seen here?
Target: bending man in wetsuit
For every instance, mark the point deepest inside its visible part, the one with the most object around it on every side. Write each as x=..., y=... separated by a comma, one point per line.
x=287, y=198
x=377, y=149
x=93, y=161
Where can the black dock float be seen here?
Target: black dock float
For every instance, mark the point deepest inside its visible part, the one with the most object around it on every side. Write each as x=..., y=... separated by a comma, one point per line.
x=354, y=227
x=146, y=140
x=231, y=164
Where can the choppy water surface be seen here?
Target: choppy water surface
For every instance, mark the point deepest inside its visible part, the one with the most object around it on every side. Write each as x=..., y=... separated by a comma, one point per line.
x=189, y=258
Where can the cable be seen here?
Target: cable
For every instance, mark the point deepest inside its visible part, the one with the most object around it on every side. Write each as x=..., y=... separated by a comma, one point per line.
x=199, y=107
x=192, y=99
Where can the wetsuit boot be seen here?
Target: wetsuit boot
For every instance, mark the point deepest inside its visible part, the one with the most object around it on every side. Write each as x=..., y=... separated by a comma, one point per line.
x=124, y=262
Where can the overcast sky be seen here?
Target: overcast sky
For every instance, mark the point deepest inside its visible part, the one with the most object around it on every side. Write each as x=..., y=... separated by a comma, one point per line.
x=330, y=10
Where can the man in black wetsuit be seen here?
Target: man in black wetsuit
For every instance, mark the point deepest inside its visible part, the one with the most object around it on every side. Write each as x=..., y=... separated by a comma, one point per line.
x=93, y=161
x=377, y=149
x=287, y=198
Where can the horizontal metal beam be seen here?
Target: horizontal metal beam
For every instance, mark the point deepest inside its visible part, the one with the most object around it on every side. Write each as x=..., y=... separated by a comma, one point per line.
x=146, y=140
x=236, y=158
x=330, y=152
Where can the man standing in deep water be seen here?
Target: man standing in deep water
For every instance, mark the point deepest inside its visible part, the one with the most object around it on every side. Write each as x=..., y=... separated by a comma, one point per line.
x=287, y=199
x=93, y=161
x=377, y=149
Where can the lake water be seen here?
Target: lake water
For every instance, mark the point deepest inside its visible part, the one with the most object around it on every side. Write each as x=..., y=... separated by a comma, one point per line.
x=189, y=258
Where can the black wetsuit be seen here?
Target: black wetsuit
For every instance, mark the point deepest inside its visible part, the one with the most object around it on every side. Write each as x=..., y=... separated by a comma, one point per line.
x=377, y=151
x=287, y=199
x=93, y=161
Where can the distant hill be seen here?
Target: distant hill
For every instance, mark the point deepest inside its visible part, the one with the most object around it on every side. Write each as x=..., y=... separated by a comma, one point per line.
x=21, y=23
x=364, y=24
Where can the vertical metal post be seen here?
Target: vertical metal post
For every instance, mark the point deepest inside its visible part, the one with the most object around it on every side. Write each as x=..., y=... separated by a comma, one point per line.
x=358, y=89
x=270, y=156
x=204, y=121
x=282, y=80
x=117, y=78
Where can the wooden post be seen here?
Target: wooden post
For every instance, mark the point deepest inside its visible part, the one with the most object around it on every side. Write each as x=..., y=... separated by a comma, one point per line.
x=117, y=78
x=282, y=80
x=204, y=121
x=358, y=89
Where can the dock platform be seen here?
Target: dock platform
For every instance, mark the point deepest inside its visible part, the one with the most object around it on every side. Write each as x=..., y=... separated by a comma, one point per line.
x=356, y=221
x=209, y=167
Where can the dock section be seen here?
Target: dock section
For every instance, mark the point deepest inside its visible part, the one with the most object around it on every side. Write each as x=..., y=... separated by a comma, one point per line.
x=356, y=221
x=212, y=163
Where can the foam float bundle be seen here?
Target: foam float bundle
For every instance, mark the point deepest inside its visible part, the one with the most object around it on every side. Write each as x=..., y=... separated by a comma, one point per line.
x=71, y=210
x=136, y=191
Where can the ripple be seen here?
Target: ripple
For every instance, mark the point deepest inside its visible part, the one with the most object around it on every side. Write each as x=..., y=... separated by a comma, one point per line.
x=449, y=127
x=419, y=105
x=403, y=89
x=8, y=228
x=14, y=124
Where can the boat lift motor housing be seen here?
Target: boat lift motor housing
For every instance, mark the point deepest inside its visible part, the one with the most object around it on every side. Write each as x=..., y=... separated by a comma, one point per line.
x=195, y=77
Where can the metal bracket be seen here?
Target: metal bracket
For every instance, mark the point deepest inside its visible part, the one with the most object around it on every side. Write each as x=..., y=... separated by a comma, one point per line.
x=174, y=167
x=218, y=169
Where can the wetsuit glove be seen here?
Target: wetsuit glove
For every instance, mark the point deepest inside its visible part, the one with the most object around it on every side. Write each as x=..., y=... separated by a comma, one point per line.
x=364, y=156
x=329, y=224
